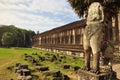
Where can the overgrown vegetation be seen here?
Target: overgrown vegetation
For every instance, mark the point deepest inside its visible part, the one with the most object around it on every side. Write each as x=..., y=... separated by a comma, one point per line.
x=10, y=56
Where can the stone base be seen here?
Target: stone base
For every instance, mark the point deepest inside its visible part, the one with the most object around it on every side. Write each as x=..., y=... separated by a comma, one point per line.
x=87, y=75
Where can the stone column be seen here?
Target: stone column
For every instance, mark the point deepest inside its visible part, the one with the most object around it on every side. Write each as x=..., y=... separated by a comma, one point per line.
x=46, y=40
x=58, y=38
x=116, y=28
x=69, y=39
x=60, y=35
x=50, y=39
x=81, y=36
x=43, y=40
x=63, y=37
x=119, y=24
x=77, y=36
x=73, y=33
x=54, y=38
x=39, y=40
x=113, y=30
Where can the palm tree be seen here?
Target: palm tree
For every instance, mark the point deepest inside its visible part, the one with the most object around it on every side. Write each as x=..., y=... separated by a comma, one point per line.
x=111, y=8
x=81, y=6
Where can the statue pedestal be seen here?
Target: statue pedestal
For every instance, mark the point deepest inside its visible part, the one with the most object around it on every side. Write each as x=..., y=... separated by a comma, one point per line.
x=86, y=75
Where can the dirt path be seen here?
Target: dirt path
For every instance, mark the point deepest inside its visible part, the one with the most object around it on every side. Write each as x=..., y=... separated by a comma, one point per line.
x=116, y=67
x=5, y=64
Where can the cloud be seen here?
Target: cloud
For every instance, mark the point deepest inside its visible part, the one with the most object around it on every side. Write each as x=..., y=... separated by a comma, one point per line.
x=37, y=15
x=14, y=1
x=29, y=21
x=48, y=5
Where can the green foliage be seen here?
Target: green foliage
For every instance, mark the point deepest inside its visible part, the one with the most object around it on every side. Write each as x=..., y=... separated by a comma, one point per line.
x=81, y=6
x=7, y=38
x=22, y=37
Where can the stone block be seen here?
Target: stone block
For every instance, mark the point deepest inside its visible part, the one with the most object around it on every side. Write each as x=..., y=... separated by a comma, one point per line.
x=87, y=75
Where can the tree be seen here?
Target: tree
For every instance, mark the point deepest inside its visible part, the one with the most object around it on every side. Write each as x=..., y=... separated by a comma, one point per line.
x=7, y=38
x=22, y=37
x=81, y=6
x=28, y=37
x=111, y=8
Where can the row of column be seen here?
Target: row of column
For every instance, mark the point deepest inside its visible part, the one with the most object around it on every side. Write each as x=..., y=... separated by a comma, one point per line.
x=73, y=36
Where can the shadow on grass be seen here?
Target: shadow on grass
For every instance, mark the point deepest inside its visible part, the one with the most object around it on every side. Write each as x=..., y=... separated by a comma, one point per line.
x=35, y=77
x=32, y=70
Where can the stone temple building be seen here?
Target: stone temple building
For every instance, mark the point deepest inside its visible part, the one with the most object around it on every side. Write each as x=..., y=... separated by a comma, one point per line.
x=69, y=38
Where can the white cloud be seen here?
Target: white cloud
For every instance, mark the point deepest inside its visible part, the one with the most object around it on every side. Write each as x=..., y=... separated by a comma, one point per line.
x=48, y=5
x=53, y=6
x=14, y=1
x=29, y=21
x=15, y=12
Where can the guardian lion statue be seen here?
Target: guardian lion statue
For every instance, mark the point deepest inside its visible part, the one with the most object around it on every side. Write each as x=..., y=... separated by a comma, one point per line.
x=93, y=36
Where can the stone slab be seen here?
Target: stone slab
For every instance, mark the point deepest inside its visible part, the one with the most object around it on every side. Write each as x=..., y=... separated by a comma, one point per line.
x=87, y=75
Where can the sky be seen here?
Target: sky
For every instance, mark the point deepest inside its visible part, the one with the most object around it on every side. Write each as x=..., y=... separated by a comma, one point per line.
x=36, y=15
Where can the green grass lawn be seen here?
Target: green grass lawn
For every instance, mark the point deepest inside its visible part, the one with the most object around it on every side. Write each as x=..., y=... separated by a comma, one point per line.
x=10, y=56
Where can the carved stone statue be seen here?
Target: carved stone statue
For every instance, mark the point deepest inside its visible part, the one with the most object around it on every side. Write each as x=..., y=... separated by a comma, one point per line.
x=93, y=35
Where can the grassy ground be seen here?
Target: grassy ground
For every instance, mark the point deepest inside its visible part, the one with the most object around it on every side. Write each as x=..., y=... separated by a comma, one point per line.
x=10, y=56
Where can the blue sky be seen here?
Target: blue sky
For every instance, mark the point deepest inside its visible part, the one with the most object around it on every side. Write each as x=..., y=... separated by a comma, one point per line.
x=36, y=15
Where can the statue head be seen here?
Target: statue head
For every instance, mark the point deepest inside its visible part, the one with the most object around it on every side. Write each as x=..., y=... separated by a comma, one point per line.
x=95, y=13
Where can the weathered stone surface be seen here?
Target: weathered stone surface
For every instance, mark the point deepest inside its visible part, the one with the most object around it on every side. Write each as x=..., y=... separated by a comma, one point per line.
x=66, y=77
x=22, y=66
x=43, y=68
x=17, y=66
x=53, y=58
x=87, y=75
x=24, y=74
x=33, y=61
x=65, y=66
x=25, y=77
x=75, y=68
x=57, y=74
x=37, y=64
x=41, y=58
x=63, y=57
x=93, y=35
x=48, y=73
